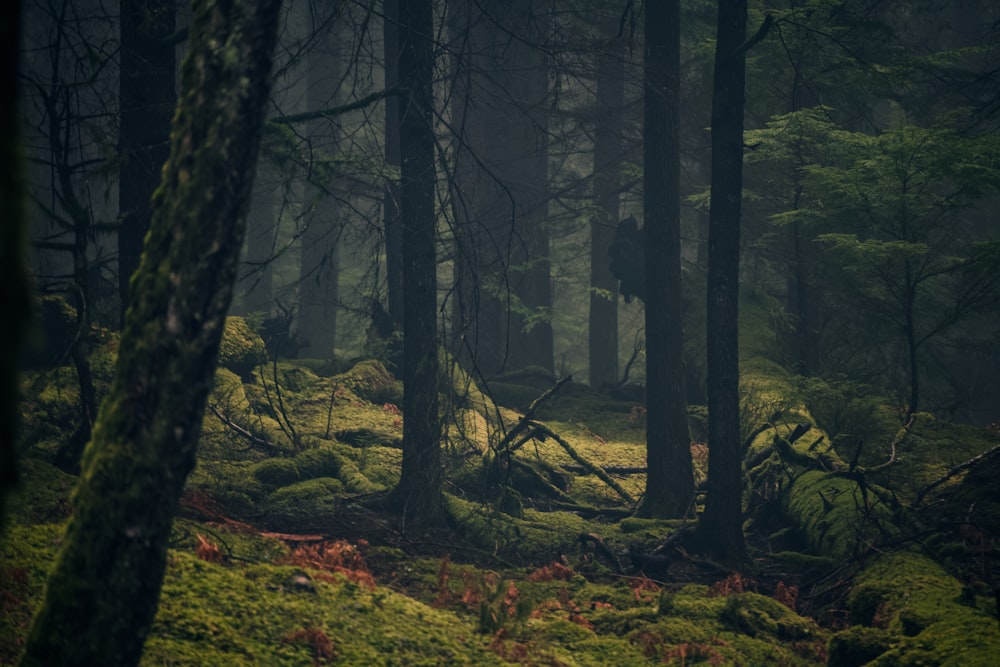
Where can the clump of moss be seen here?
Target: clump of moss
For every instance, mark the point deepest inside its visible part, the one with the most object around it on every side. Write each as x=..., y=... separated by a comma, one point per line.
x=277, y=472
x=755, y=615
x=318, y=462
x=857, y=645
x=306, y=501
x=370, y=381
x=241, y=349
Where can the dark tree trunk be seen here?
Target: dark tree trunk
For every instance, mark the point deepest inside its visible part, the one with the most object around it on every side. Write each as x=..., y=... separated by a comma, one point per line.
x=257, y=281
x=147, y=99
x=603, y=324
x=390, y=213
x=320, y=266
x=721, y=526
x=103, y=591
x=502, y=258
x=419, y=491
x=14, y=290
x=670, y=479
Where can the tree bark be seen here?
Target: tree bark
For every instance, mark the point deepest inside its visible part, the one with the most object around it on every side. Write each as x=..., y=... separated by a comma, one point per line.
x=720, y=528
x=418, y=493
x=103, y=591
x=147, y=100
x=603, y=317
x=670, y=480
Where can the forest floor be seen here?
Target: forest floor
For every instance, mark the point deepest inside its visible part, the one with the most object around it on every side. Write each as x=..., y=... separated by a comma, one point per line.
x=883, y=554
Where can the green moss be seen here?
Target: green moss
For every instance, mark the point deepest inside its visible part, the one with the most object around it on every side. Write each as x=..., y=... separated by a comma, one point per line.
x=756, y=615
x=241, y=350
x=837, y=516
x=277, y=472
x=43, y=493
x=320, y=461
x=369, y=380
x=857, y=646
x=919, y=604
x=304, y=502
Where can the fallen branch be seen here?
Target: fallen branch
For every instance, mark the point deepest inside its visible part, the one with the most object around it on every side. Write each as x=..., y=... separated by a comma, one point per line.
x=544, y=432
x=255, y=440
x=611, y=470
x=900, y=436
x=954, y=471
x=525, y=421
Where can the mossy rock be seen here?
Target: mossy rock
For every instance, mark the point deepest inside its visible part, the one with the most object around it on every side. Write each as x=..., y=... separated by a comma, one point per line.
x=921, y=607
x=277, y=472
x=318, y=462
x=241, y=349
x=864, y=603
x=857, y=645
x=370, y=381
x=755, y=615
x=304, y=502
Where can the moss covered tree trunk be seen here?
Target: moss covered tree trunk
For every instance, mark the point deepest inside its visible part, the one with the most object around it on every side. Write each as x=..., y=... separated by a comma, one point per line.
x=721, y=526
x=419, y=489
x=103, y=591
x=670, y=480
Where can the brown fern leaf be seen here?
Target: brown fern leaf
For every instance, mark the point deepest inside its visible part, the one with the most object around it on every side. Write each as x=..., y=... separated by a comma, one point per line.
x=208, y=550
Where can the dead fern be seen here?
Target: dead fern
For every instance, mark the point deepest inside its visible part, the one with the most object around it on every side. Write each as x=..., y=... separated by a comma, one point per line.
x=337, y=556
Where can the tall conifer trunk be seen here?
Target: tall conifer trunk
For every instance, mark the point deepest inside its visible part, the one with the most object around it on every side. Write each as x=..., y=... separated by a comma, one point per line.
x=418, y=493
x=603, y=316
x=670, y=478
x=721, y=526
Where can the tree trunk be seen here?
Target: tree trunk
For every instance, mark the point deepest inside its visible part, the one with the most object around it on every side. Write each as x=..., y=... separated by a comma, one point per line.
x=390, y=212
x=419, y=490
x=670, y=479
x=320, y=266
x=103, y=591
x=147, y=100
x=721, y=526
x=257, y=281
x=502, y=260
x=603, y=323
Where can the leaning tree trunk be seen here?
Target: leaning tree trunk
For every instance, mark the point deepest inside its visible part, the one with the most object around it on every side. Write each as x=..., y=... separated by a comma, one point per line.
x=670, y=479
x=721, y=526
x=102, y=594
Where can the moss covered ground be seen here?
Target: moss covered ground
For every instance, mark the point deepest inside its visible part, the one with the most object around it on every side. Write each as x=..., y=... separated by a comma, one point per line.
x=280, y=556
